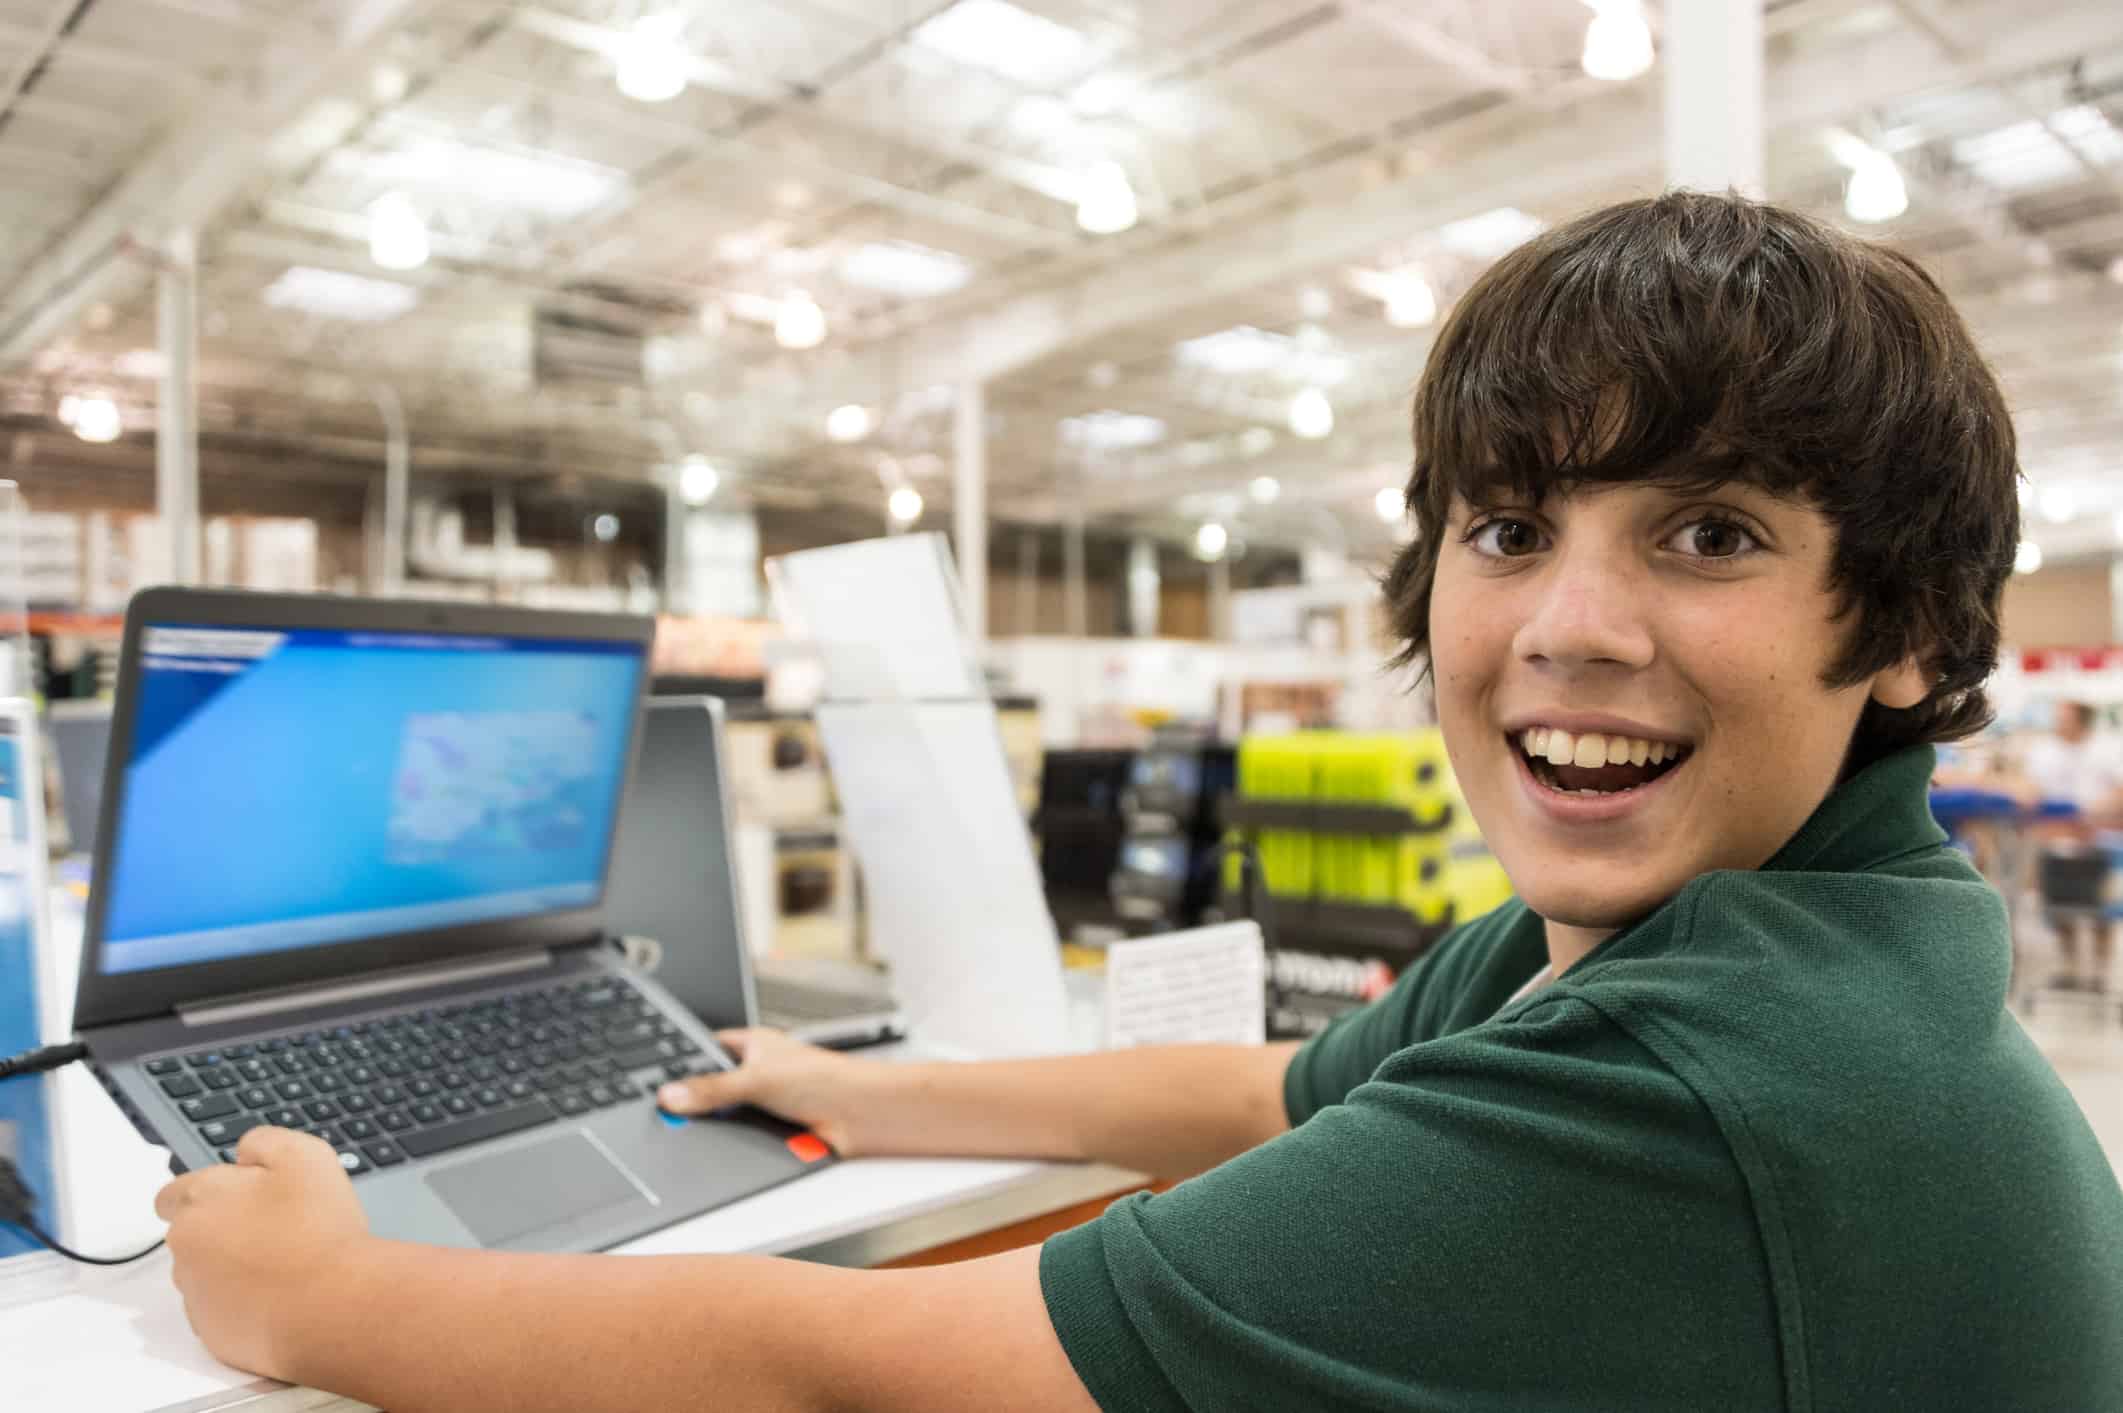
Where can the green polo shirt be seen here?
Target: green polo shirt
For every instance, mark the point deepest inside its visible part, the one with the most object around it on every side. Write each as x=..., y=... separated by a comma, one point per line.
x=1779, y=1145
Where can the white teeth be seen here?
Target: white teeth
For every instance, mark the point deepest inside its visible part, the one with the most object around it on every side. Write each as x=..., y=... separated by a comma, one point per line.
x=1618, y=750
x=1663, y=752
x=1591, y=750
x=1561, y=748
x=1639, y=752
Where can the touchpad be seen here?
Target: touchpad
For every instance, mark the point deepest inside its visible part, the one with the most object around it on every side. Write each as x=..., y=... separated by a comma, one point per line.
x=506, y=1197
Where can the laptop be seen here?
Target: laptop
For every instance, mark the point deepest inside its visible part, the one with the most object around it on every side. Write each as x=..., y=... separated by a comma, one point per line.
x=80, y=736
x=350, y=880
x=674, y=881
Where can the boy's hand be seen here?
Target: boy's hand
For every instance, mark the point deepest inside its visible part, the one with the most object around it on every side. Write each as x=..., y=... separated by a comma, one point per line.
x=258, y=1243
x=802, y=1083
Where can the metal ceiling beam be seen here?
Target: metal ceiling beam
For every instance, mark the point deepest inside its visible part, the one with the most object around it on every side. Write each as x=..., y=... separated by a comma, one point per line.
x=1419, y=35
x=187, y=177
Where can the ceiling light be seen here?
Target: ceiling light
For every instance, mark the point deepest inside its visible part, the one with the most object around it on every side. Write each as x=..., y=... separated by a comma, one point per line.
x=605, y=527
x=2115, y=269
x=1410, y=302
x=1265, y=490
x=1490, y=235
x=698, y=480
x=93, y=419
x=1875, y=189
x=904, y=505
x=1211, y=540
x=903, y=268
x=2028, y=559
x=1107, y=203
x=1314, y=302
x=1000, y=38
x=1311, y=415
x=1255, y=440
x=799, y=323
x=388, y=84
x=1103, y=94
x=2057, y=504
x=1617, y=41
x=1389, y=504
x=446, y=171
x=1244, y=350
x=1112, y=431
x=850, y=422
x=335, y=294
x=398, y=233
x=651, y=61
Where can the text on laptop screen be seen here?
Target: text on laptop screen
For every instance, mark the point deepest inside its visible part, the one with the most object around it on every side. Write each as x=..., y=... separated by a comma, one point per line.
x=297, y=788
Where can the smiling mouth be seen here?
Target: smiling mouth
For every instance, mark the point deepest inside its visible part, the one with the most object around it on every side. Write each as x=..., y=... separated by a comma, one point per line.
x=1596, y=764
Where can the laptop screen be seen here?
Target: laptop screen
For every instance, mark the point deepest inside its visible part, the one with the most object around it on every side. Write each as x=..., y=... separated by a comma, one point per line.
x=296, y=788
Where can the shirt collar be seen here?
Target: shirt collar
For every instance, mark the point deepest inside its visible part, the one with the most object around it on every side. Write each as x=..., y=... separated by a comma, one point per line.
x=1881, y=813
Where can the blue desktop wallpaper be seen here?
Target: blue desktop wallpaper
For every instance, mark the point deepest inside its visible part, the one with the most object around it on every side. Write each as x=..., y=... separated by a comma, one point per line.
x=342, y=775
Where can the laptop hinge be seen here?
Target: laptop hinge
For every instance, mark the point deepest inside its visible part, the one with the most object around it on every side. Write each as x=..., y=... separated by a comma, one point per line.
x=248, y=1005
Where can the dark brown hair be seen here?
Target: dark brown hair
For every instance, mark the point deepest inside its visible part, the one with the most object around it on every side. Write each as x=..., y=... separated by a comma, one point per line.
x=1692, y=340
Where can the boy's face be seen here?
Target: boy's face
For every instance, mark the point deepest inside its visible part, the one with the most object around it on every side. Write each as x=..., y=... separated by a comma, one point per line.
x=1678, y=639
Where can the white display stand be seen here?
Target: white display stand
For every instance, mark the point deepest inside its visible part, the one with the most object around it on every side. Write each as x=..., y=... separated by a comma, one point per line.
x=927, y=804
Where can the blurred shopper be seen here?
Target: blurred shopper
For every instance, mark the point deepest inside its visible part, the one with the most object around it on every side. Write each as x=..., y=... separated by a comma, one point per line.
x=2074, y=765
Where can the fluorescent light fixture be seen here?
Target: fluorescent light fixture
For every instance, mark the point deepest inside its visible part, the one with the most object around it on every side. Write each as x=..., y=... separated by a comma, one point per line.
x=903, y=268
x=799, y=323
x=335, y=294
x=1103, y=94
x=2115, y=270
x=140, y=363
x=2030, y=154
x=1112, y=431
x=698, y=480
x=999, y=38
x=904, y=505
x=1211, y=540
x=93, y=419
x=605, y=527
x=398, y=233
x=1311, y=415
x=1255, y=440
x=850, y=422
x=1617, y=41
x=1244, y=351
x=1490, y=235
x=445, y=170
x=1410, y=301
x=1107, y=205
x=2058, y=504
x=2028, y=558
x=1265, y=490
x=1389, y=504
x=651, y=65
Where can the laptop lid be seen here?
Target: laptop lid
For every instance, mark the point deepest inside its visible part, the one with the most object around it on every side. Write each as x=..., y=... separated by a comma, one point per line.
x=308, y=787
x=674, y=871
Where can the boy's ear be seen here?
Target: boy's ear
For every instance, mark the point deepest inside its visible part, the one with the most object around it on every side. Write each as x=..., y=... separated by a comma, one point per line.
x=1902, y=686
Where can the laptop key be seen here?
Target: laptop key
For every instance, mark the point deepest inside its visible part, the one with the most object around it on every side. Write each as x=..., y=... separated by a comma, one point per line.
x=394, y=1121
x=256, y=1097
x=456, y=1104
x=569, y=1102
x=329, y=1133
x=353, y=1162
x=383, y=1154
x=203, y=1059
x=327, y=1080
x=356, y=1103
x=321, y=1109
x=358, y=1129
x=389, y=1094
x=642, y=1056
x=423, y=1088
x=488, y=1098
x=290, y=1063
x=624, y=1088
x=293, y=1089
x=180, y=1086
x=212, y=1106
x=600, y=1095
x=220, y=1078
x=285, y=1117
x=168, y=1064
x=223, y=1133
x=491, y=1124
x=256, y=1071
x=519, y=1089
x=427, y=1113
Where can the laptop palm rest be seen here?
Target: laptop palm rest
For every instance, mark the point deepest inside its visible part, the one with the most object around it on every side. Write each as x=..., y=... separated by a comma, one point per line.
x=576, y=1182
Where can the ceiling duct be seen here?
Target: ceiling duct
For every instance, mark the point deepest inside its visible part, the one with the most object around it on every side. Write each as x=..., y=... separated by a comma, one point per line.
x=570, y=348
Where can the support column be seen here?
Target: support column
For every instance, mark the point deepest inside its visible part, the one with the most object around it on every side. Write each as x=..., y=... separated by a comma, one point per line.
x=177, y=411
x=1076, y=609
x=969, y=502
x=1220, y=599
x=675, y=511
x=397, y=482
x=1027, y=583
x=1711, y=55
x=1144, y=585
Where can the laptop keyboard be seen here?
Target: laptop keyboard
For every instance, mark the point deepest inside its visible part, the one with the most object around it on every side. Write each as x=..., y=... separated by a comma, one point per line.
x=422, y=1082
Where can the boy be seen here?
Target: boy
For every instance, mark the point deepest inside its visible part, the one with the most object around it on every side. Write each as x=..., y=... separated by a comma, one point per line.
x=1714, y=507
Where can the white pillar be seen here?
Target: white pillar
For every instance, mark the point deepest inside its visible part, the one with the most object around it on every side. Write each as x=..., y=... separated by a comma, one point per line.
x=969, y=504
x=1143, y=587
x=1076, y=607
x=675, y=510
x=177, y=412
x=1220, y=599
x=397, y=488
x=1027, y=583
x=1711, y=55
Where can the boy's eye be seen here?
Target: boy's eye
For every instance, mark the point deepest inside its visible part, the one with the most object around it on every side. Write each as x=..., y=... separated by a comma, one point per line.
x=1711, y=539
x=1506, y=538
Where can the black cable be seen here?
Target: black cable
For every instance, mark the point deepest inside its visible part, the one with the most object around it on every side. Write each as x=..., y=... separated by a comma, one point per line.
x=49, y=1057
x=72, y=1255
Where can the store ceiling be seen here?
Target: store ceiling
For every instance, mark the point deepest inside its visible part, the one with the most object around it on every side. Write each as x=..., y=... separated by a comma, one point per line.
x=605, y=272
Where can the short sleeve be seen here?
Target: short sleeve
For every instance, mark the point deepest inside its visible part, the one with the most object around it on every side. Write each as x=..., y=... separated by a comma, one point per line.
x=1399, y=1250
